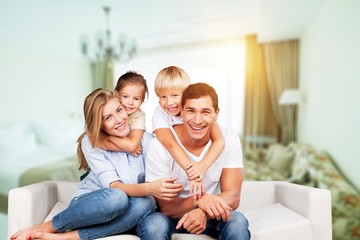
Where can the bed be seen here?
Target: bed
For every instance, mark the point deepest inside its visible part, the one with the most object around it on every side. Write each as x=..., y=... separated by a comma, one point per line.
x=36, y=151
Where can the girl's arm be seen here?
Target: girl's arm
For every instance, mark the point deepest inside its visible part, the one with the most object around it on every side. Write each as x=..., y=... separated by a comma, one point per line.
x=127, y=144
x=124, y=144
x=216, y=148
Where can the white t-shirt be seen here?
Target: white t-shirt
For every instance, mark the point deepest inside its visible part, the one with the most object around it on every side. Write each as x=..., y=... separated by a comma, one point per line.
x=159, y=162
x=161, y=119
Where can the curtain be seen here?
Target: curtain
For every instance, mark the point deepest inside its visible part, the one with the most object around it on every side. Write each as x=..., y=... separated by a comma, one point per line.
x=103, y=73
x=259, y=116
x=281, y=63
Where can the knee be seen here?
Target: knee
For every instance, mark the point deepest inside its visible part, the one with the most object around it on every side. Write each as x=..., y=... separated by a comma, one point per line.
x=115, y=200
x=145, y=205
x=237, y=226
x=154, y=226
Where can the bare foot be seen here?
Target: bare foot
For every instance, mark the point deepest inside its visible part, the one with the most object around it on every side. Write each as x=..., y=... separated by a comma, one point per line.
x=54, y=236
x=22, y=234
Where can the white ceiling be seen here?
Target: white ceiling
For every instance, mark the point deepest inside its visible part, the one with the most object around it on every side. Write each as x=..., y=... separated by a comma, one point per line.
x=56, y=26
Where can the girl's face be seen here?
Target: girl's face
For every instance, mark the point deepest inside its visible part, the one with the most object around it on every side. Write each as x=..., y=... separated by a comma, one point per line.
x=170, y=101
x=114, y=119
x=132, y=97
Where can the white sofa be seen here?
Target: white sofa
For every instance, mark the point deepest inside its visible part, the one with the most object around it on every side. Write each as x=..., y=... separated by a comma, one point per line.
x=275, y=210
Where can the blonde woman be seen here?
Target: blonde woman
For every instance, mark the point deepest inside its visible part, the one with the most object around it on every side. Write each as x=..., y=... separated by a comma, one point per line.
x=112, y=197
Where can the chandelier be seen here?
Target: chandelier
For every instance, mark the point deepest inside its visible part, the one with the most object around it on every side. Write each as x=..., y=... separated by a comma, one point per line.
x=122, y=51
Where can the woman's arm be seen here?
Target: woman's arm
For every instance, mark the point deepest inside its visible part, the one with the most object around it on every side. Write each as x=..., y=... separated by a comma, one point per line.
x=162, y=188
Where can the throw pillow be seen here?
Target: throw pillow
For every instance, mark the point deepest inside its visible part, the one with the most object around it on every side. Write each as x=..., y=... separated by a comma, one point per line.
x=281, y=159
x=300, y=168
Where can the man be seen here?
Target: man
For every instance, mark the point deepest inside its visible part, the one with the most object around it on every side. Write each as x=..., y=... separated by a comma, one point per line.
x=213, y=214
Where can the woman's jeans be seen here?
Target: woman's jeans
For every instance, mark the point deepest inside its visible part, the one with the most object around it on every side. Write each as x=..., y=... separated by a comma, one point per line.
x=157, y=226
x=102, y=213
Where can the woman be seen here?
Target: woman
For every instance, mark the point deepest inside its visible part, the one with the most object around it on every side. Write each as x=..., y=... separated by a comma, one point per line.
x=112, y=197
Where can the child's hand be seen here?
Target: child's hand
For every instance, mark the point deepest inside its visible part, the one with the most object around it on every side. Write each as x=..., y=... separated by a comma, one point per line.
x=137, y=152
x=195, y=171
x=197, y=189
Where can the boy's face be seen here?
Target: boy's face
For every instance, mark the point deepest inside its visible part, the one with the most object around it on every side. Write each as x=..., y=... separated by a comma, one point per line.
x=170, y=101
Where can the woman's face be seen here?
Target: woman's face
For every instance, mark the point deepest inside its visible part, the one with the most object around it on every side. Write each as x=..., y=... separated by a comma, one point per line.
x=114, y=119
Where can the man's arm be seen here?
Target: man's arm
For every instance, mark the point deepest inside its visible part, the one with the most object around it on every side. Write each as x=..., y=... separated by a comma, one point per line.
x=215, y=206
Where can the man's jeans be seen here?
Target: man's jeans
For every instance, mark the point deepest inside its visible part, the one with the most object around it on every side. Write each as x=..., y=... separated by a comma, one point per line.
x=102, y=213
x=157, y=226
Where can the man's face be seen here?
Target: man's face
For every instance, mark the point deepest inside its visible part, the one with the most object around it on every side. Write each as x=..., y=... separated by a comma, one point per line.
x=199, y=115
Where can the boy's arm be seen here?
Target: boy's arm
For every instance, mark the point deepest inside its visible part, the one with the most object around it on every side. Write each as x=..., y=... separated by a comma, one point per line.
x=216, y=148
x=167, y=139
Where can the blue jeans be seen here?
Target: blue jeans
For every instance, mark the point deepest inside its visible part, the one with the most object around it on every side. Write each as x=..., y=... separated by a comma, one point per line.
x=102, y=213
x=157, y=226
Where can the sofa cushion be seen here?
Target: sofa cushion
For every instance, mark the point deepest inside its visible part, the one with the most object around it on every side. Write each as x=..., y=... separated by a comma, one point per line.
x=278, y=222
x=279, y=159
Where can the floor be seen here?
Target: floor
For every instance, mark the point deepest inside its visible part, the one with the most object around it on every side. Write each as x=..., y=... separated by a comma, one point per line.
x=3, y=226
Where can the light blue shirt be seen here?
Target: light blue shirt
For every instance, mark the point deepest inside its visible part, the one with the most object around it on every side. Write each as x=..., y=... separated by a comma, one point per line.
x=109, y=166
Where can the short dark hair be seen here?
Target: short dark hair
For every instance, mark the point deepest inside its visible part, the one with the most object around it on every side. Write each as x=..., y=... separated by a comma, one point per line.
x=198, y=90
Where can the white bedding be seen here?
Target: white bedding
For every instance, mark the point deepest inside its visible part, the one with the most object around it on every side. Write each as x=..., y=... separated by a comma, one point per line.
x=11, y=169
x=27, y=145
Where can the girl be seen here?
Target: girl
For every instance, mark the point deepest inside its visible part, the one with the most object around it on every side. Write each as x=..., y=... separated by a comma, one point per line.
x=112, y=192
x=132, y=89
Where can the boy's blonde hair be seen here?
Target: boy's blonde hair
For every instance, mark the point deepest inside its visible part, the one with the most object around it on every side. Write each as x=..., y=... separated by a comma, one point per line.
x=171, y=78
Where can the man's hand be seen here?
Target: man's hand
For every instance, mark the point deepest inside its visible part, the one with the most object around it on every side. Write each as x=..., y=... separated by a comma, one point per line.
x=165, y=188
x=194, y=221
x=215, y=207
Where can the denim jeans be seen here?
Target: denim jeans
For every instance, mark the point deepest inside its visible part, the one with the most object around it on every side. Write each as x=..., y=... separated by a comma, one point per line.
x=157, y=226
x=102, y=213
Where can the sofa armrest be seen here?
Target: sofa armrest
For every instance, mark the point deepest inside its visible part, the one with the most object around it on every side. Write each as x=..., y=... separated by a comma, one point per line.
x=29, y=205
x=312, y=203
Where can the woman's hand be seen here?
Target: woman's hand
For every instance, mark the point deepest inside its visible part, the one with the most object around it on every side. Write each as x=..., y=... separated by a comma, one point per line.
x=164, y=188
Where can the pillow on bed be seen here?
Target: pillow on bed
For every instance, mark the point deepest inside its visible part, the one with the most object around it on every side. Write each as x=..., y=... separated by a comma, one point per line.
x=49, y=134
x=17, y=146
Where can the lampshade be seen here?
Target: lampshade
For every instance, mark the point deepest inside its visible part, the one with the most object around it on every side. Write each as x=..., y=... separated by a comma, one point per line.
x=290, y=97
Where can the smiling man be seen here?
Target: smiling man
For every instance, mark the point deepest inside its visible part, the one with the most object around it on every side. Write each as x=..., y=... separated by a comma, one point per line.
x=213, y=214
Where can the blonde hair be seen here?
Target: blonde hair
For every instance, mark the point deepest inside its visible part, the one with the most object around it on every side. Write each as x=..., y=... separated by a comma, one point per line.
x=171, y=78
x=93, y=105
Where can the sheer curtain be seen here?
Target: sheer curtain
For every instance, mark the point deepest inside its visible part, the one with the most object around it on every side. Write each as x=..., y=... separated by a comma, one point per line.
x=259, y=115
x=103, y=74
x=282, y=72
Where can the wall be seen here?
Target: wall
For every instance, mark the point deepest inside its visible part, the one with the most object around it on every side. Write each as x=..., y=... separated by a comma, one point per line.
x=329, y=116
x=42, y=87
x=218, y=63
